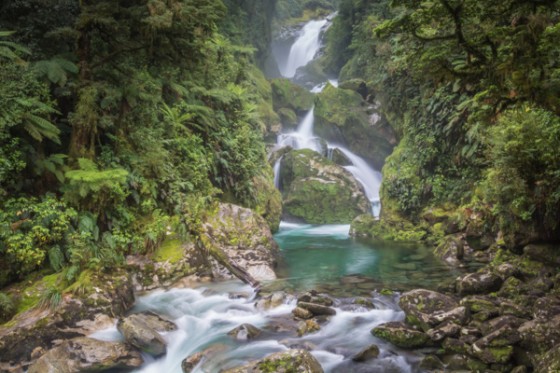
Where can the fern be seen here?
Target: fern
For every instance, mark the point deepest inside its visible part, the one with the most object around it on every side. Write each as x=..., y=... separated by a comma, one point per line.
x=51, y=298
x=56, y=70
x=8, y=49
x=56, y=258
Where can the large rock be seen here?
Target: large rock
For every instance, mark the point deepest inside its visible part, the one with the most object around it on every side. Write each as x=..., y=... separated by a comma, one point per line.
x=87, y=306
x=141, y=331
x=241, y=243
x=478, y=283
x=287, y=95
x=540, y=335
x=317, y=309
x=293, y=361
x=402, y=335
x=319, y=191
x=342, y=116
x=426, y=308
x=550, y=361
x=87, y=355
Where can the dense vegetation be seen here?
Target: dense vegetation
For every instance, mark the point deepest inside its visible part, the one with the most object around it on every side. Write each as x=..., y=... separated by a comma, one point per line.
x=121, y=120
x=472, y=88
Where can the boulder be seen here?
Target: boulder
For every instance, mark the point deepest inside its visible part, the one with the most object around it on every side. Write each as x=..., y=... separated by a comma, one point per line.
x=451, y=250
x=308, y=326
x=273, y=300
x=540, y=335
x=318, y=191
x=241, y=244
x=138, y=333
x=100, y=298
x=87, y=355
x=402, y=335
x=317, y=309
x=492, y=355
x=370, y=352
x=478, y=283
x=546, y=307
x=287, y=95
x=190, y=362
x=302, y=313
x=296, y=361
x=426, y=308
x=343, y=117
x=244, y=332
x=448, y=329
x=549, y=361
x=548, y=254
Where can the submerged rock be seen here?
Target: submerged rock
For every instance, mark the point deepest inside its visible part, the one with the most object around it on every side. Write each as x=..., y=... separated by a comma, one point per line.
x=293, y=361
x=367, y=353
x=87, y=355
x=244, y=332
x=318, y=191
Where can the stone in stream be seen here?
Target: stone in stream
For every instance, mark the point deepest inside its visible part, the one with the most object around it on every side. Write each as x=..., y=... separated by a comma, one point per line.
x=296, y=361
x=317, y=309
x=402, y=335
x=189, y=363
x=138, y=333
x=87, y=355
x=244, y=332
x=307, y=327
x=367, y=353
x=302, y=313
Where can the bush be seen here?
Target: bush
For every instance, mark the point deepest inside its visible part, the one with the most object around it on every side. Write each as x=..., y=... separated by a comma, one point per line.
x=7, y=307
x=523, y=180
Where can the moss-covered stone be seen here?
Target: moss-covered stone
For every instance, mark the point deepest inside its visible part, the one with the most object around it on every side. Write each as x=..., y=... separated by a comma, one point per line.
x=319, y=191
x=288, y=95
x=401, y=335
x=341, y=116
x=293, y=361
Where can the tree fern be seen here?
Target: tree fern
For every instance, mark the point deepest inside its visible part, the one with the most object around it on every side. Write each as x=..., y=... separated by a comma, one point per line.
x=56, y=70
x=8, y=49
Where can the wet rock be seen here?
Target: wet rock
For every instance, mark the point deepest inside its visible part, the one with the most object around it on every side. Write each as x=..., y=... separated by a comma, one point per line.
x=402, y=335
x=456, y=345
x=296, y=361
x=273, y=300
x=317, y=309
x=546, y=307
x=367, y=353
x=139, y=334
x=549, y=362
x=506, y=335
x=314, y=297
x=87, y=355
x=189, y=363
x=154, y=321
x=307, y=327
x=318, y=191
x=431, y=363
x=448, y=329
x=241, y=244
x=451, y=250
x=302, y=313
x=491, y=355
x=478, y=283
x=540, y=335
x=101, y=297
x=548, y=254
x=427, y=308
x=244, y=332
x=364, y=302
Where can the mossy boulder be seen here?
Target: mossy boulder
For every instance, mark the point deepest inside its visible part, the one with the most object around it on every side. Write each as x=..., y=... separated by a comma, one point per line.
x=142, y=332
x=288, y=95
x=549, y=361
x=401, y=335
x=88, y=355
x=293, y=361
x=482, y=282
x=342, y=116
x=318, y=191
x=87, y=305
x=241, y=242
x=426, y=308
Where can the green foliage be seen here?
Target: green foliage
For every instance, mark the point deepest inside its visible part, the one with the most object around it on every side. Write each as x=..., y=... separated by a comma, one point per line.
x=50, y=298
x=7, y=307
x=522, y=182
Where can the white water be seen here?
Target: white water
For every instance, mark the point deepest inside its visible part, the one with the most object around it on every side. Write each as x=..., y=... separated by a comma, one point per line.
x=204, y=317
x=303, y=137
x=367, y=176
x=276, y=170
x=304, y=48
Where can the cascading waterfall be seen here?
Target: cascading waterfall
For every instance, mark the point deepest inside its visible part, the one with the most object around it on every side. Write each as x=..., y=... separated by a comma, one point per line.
x=277, y=172
x=303, y=137
x=304, y=49
x=367, y=176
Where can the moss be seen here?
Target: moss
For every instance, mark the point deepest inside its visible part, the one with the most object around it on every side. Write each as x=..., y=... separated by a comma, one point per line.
x=404, y=338
x=31, y=295
x=286, y=94
x=170, y=250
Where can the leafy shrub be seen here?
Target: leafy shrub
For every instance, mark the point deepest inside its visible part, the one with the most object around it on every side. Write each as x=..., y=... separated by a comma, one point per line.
x=523, y=181
x=7, y=307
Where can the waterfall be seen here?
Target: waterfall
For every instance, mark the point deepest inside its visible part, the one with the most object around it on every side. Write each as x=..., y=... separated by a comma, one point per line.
x=276, y=170
x=304, y=48
x=367, y=176
x=303, y=137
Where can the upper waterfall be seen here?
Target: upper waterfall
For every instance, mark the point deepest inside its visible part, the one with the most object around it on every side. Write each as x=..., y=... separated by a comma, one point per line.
x=304, y=48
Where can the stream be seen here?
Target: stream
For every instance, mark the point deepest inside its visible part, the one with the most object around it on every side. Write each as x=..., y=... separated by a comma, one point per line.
x=324, y=259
